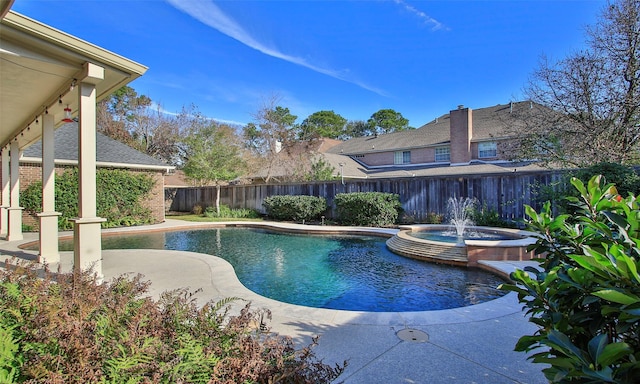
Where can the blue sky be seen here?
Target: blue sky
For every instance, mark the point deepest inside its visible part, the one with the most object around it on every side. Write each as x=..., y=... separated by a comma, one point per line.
x=420, y=58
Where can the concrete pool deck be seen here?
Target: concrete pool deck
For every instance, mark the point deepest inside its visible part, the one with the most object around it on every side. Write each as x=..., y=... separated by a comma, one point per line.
x=464, y=345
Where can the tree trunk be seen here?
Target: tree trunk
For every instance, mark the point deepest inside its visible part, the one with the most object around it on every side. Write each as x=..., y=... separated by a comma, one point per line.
x=218, y=199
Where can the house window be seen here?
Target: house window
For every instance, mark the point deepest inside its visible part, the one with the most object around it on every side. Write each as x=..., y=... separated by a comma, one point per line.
x=443, y=154
x=487, y=149
x=402, y=157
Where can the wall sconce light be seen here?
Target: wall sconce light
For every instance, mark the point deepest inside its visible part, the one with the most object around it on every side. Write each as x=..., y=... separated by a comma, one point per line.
x=73, y=85
x=67, y=115
x=60, y=99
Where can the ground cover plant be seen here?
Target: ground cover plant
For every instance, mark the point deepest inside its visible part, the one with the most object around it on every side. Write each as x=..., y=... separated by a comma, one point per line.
x=231, y=213
x=586, y=297
x=68, y=328
x=373, y=209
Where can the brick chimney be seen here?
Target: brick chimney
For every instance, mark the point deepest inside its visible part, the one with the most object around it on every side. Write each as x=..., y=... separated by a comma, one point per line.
x=460, y=129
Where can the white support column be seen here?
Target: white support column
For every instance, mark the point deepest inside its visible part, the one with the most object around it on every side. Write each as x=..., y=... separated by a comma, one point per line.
x=87, y=242
x=48, y=217
x=15, y=211
x=4, y=192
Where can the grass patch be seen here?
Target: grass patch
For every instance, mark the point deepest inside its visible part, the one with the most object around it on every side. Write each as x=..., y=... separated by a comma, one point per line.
x=204, y=219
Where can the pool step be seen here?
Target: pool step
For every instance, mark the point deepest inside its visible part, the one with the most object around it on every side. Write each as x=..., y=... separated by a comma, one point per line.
x=427, y=250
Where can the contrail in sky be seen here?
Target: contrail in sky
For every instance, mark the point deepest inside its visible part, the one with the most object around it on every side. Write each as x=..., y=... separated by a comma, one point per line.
x=426, y=18
x=210, y=14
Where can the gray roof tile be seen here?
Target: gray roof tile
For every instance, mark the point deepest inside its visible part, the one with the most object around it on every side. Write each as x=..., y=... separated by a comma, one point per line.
x=108, y=150
x=487, y=123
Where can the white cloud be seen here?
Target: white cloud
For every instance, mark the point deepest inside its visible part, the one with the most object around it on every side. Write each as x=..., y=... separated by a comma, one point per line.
x=210, y=14
x=436, y=25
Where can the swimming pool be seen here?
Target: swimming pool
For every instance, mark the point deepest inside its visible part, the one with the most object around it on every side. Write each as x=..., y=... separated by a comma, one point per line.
x=355, y=273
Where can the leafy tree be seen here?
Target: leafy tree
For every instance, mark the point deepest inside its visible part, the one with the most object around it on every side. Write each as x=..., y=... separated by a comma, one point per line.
x=323, y=124
x=214, y=156
x=387, y=121
x=117, y=113
x=590, y=99
x=131, y=119
x=320, y=170
x=356, y=128
x=271, y=138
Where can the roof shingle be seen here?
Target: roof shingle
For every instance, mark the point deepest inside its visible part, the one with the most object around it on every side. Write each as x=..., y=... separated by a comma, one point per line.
x=108, y=150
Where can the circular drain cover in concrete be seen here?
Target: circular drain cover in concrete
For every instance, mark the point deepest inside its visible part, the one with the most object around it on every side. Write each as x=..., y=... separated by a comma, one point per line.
x=413, y=335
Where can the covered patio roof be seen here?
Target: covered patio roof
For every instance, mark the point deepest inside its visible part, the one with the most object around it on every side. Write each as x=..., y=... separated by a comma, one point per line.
x=46, y=78
x=40, y=66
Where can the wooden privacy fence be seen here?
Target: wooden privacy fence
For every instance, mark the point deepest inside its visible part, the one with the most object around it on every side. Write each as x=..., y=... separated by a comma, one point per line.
x=506, y=192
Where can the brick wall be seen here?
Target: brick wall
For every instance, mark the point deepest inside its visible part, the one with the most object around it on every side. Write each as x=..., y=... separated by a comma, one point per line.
x=460, y=135
x=32, y=172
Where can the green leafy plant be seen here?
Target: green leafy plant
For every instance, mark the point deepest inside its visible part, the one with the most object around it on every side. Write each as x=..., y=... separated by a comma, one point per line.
x=294, y=207
x=119, y=197
x=488, y=217
x=231, y=213
x=68, y=328
x=586, y=297
x=375, y=209
x=320, y=170
x=435, y=218
x=625, y=178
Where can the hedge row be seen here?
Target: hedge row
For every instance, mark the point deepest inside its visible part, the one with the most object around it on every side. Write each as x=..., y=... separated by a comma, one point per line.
x=375, y=209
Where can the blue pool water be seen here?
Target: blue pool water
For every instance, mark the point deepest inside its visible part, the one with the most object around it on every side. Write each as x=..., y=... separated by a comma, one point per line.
x=450, y=236
x=339, y=272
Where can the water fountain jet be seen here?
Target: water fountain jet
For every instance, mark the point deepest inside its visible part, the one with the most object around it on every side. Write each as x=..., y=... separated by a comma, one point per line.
x=459, y=213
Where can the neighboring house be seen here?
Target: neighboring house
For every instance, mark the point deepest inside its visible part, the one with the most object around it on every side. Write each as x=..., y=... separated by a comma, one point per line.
x=463, y=141
x=291, y=163
x=110, y=153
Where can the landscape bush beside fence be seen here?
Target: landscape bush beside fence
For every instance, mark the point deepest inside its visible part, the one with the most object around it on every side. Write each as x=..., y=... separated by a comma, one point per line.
x=295, y=208
x=372, y=209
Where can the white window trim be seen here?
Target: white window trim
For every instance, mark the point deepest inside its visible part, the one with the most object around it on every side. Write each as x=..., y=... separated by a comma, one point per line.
x=493, y=150
x=441, y=155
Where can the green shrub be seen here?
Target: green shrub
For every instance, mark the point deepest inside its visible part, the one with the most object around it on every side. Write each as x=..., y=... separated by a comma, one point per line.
x=198, y=209
x=489, y=217
x=66, y=328
x=586, y=298
x=435, y=218
x=294, y=207
x=119, y=197
x=625, y=178
x=374, y=209
x=229, y=213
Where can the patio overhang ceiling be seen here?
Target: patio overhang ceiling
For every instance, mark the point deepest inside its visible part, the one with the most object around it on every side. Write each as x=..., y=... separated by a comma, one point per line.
x=39, y=66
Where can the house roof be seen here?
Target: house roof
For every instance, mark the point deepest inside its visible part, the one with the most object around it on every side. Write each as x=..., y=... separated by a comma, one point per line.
x=109, y=152
x=39, y=66
x=488, y=124
x=352, y=169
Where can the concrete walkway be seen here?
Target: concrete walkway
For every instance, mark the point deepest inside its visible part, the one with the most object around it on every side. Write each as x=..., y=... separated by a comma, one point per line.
x=465, y=345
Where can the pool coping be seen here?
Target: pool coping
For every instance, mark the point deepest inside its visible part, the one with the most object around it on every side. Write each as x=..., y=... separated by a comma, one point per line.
x=224, y=282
